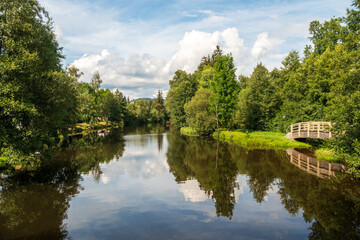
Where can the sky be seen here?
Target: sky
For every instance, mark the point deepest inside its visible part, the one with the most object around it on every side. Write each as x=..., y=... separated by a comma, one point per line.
x=137, y=45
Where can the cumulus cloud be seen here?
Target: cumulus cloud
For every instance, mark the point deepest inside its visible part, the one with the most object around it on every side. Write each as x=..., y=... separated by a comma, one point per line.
x=139, y=76
x=192, y=191
x=134, y=76
x=197, y=44
x=264, y=45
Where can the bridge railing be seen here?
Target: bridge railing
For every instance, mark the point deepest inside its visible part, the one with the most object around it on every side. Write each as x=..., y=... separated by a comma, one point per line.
x=312, y=165
x=311, y=130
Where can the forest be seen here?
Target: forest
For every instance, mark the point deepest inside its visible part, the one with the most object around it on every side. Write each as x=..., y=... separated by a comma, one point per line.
x=322, y=84
x=42, y=100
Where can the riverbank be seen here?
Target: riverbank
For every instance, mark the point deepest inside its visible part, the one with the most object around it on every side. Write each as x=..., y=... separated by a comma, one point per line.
x=252, y=140
x=260, y=140
x=188, y=131
x=86, y=128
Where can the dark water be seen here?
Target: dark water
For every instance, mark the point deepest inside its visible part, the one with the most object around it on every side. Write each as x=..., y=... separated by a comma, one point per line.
x=147, y=184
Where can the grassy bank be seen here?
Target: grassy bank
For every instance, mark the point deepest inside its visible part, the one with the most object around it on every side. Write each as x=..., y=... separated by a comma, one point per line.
x=86, y=128
x=260, y=140
x=327, y=155
x=188, y=131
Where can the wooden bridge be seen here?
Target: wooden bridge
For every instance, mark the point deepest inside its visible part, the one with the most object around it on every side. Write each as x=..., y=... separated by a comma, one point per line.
x=318, y=130
x=312, y=166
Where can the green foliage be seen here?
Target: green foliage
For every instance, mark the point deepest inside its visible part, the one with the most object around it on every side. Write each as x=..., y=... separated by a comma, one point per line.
x=158, y=112
x=198, y=114
x=327, y=154
x=225, y=89
x=140, y=110
x=38, y=99
x=257, y=101
x=182, y=88
x=96, y=81
x=189, y=131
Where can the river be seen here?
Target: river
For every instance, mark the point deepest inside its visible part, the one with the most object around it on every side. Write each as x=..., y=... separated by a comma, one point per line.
x=149, y=183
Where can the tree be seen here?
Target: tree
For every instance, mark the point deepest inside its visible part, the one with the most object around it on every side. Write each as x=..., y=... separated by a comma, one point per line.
x=198, y=114
x=257, y=101
x=158, y=111
x=87, y=108
x=38, y=100
x=182, y=88
x=96, y=81
x=107, y=103
x=140, y=110
x=74, y=73
x=225, y=88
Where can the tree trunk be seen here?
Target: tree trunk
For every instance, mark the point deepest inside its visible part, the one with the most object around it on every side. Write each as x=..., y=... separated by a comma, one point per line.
x=217, y=118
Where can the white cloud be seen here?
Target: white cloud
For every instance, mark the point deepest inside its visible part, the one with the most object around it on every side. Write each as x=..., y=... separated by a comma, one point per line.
x=140, y=76
x=192, y=191
x=144, y=73
x=58, y=32
x=179, y=35
x=197, y=44
x=264, y=45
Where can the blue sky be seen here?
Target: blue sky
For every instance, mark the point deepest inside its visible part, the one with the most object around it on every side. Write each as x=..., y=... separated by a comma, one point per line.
x=137, y=45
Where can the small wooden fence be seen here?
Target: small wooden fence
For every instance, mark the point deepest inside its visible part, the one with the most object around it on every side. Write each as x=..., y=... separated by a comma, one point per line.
x=312, y=166
x=318, y=130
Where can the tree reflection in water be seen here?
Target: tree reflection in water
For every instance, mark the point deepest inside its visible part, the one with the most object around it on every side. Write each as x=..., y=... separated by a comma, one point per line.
x=332, y=206
x=210, y=163
x=34, y=204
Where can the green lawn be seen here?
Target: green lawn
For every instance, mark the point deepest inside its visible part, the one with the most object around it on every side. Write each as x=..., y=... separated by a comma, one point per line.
x=188, y=131
x=260, y=140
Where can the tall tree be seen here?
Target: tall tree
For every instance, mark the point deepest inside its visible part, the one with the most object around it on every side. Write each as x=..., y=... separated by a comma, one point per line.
x=225, y=88
x=96, y=81
x=182, y=88
x=37, y=99
x=198, y=112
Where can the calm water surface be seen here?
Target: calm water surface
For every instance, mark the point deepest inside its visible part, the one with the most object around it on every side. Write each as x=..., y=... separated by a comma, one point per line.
x=149, y=184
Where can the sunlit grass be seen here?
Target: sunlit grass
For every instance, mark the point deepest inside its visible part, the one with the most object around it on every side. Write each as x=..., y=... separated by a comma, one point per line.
x=326, y=155
x=188, y=131
x=260, y=140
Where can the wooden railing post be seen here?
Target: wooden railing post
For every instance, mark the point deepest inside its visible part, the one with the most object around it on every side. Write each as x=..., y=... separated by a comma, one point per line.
x=318, y=168
x=308, y=164
x=308, y=129
x=330, y=135
x=318, y=130
x=299, y=130
x=292, y=126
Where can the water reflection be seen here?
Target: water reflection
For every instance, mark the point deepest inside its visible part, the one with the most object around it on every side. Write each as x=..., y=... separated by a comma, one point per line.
x=153, y=185
x=33, y=205
x=331, y=206
x=307, y=162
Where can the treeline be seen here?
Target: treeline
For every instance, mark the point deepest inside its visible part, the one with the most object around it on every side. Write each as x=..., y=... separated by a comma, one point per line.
x=97, y=104
x=323, y=85
x=40, y=102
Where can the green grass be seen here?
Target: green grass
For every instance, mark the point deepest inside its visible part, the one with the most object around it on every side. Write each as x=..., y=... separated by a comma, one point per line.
x=85, y=128
x=260, y=140
x=188, y=131
x=326, y=155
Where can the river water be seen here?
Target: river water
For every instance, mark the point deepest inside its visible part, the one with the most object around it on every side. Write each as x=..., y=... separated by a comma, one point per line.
x=146, y=183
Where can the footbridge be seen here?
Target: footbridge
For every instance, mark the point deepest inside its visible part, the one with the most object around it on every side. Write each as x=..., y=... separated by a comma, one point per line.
x=316, y=130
